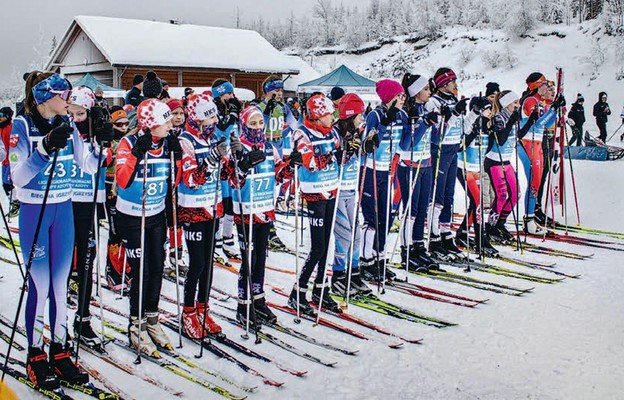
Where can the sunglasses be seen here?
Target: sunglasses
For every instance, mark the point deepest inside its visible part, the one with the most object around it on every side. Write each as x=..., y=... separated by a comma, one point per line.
x=121, y=124
x=63, y=94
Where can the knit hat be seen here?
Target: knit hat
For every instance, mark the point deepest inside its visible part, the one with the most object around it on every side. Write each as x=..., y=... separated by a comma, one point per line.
x=579, y=97
x=336, y=93
x=118, y=114
x=6, y=112
x=51, y=86
x=188, y=91
x=201, y=107
x=413, y=84
x=350, y=105
x=272, y=85
x=319, y=106
x=535, y=80
x=248, y=135
x=138, y=78
x=175, y=103
x=128, y=107
x=224, y=88
x=491, y=88
x=443, y=77
x=387, y=89
x=152, y=88
x=153, y=113
x=83, y=96
x=508, y=98
x=98, y=90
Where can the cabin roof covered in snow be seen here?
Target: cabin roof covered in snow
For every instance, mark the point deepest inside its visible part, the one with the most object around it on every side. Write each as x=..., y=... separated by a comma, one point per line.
x=159, y=44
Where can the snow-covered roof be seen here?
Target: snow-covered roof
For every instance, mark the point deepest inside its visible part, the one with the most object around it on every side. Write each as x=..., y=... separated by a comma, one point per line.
x=149, y=43
x=306, y=73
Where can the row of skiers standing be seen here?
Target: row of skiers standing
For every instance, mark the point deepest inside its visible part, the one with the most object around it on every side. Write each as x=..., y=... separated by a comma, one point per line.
x=220, y=158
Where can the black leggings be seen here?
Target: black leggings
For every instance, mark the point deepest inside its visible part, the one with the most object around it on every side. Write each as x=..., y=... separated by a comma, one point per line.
x=85, y=245
x=200, y=243
x=260, y=241
x=154, y=253
x=320, y=214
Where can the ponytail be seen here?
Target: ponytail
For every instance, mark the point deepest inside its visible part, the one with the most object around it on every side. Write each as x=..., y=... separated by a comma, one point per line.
x=496, y=105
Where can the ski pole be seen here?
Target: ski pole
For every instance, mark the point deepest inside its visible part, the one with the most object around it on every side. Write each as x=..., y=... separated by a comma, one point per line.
x=211, y=260
x=614, y=133
x=6, y=225
x=249, y=246
x=578, y=215
x=88, y=261
x=295, y=183
x=174, y=214
x=142, y=257
x=435, y=185
x=388, y=206
x=466, y=199
x=354, y=225
x=517, y=216
x=376, y=209
x=30, y=260
x=330, y=260
x=480, y=208
x=247, y=242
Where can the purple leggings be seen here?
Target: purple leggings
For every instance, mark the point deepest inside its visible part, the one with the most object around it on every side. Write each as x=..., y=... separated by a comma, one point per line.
x=503, y=178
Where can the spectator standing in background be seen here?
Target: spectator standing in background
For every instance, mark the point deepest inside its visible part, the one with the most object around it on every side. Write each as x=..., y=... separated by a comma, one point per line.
x=134, y=96
x=576, y=119
x=601, y=113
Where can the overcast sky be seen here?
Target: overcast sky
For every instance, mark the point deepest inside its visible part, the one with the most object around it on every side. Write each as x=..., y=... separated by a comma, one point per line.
x=23, y=21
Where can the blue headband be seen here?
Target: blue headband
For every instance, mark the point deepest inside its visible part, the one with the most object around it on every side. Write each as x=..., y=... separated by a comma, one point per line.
x=273, y=85
x=224, y=88
x=42, y=90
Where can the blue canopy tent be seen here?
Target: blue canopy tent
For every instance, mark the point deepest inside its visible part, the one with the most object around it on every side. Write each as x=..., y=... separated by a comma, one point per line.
x=89, y=81
x=342, y=76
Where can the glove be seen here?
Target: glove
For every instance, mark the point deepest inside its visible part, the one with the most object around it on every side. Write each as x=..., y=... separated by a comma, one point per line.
x=250, y=159
x=142, y=145
x=236, y=147
x=514, y=117
x=534, y=116
x=371, y=143
x=295, y=158
x=390, y=116
x=431, y=118
x=446, y=112
x=413, y=113
x=559, y=101
x=105, y=135
x=268, y=110
x=352, y=143
x=217, y=152
x=173, y=145
x=460, y=107
x=478, y=104
x=234, y=106
x=226, y=122
x=57, y=138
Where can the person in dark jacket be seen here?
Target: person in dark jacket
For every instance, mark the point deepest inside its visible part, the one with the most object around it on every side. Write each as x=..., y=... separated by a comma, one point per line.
x=576, y=119
x=134, y=96
x=601, y=113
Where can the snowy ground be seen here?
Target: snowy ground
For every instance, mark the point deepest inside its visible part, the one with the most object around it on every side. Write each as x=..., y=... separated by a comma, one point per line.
x=563, y=341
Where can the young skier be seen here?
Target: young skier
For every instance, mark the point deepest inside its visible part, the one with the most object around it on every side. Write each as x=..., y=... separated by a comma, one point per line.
x=199, y=200
x=384, y=127
x=445, y=145
x=534, y=106
x=502, y=142
x=116, y=260
x=43, y=133
x=259, y=168
x=346, y=227
x=88, y=119
x=136, y=180
x=415, y=173
x=319, y=179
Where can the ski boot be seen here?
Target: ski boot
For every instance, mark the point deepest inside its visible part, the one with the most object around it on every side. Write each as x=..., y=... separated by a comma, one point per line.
x=495, y=234
x=84, y=331
x=275, y=243
x=281, y=206
x=203, y=310
x=192, y=325
x=64, y=367
x=449, y=245
x=263, y=312
x=542, y=219
x=147, y=346
x=358, y=284
x=304, y=306
x=14, y=209
x=439, y=251
x=241, y=315
x=484, y=247
x=39, y=371
x=326, y=301
x=413, y=264
x=504, y=232
x=155, y=331
x=339, y=284
x=531, y=227
x=419, y=252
